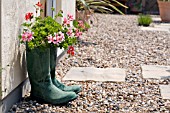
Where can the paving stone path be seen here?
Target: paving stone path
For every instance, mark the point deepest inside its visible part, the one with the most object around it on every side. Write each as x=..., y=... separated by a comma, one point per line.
x=158, y=72
x=118, y=75
x=96, y=74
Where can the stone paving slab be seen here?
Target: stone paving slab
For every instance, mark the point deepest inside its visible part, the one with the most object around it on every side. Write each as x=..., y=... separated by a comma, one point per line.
x=95, y=74
x=158, y=27
x=155, y=29
x=165, y=91
x=156, y=71
x=156, y=19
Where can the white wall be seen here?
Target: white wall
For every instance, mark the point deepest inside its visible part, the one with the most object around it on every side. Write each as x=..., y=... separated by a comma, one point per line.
x=68, y=6
x=12, y=53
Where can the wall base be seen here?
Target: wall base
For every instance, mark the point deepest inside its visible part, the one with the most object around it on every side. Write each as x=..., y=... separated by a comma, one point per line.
x=19, y=92
x=15, y=96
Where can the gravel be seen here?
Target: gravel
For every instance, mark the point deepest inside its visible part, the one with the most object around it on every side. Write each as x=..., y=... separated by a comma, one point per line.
x=113, y=41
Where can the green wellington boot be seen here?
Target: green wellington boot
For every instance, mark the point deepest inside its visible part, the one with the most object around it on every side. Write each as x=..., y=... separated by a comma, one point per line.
x=53, y=55
x=42, y=88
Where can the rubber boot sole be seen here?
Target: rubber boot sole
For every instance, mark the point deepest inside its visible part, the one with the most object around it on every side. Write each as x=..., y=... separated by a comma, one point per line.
x=40, y=100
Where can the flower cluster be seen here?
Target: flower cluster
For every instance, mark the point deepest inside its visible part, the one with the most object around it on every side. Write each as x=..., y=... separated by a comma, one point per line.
x=45, y=32
x=56, y=39
x=27, y=36
x=28, y=16
x=71, y=51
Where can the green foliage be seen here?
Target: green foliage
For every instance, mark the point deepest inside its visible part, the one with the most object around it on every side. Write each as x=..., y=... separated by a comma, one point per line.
x=53, y=9
x=87, y=25
x=104, y=6
x=81, y=4
x=144, y=20
x=75, y=23
x=41, y=29
x=45, y=32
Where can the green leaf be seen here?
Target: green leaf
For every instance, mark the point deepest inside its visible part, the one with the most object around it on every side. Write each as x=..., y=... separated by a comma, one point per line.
x=53, y=9
x=19, y=36
x=60, y=13
x=84, y=3
x=75, y=24
x=41, y=10
x=26, y=24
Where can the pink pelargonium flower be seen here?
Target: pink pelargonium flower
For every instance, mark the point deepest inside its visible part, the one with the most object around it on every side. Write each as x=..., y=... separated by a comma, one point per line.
x=78, y=33
x=24, y=37
x=81, y=24
x=30, y=36
x=69, y=32
x=50, y=39
x=27, y=36
x=66, y=21
x=70, y=17
x=58, y=38
x=61, y=35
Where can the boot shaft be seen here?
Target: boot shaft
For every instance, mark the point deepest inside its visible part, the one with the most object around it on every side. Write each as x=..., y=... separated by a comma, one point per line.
x=53, y=55
x=38, y=64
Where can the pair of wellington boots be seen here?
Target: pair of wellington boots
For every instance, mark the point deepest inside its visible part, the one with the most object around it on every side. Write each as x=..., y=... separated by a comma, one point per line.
x=45, y=87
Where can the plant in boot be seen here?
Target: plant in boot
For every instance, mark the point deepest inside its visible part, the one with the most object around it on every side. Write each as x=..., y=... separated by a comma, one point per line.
x=144, y=20
x=45, y=32
x=42, y=36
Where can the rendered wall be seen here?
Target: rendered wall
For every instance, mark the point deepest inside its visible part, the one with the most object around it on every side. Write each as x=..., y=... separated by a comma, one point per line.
x=0, y=52
x=12, y=53
x=13, y=78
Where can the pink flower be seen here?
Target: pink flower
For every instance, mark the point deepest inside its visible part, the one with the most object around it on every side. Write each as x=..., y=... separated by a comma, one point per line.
x=66, y=21
x=50, y=39
x=69, y=32
x=81, y=24
x=27, y=36
x=78, y=33
x=61, y=36
x=58, y=38
x=24, y=37
x=70, y=17
x=55, y=41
